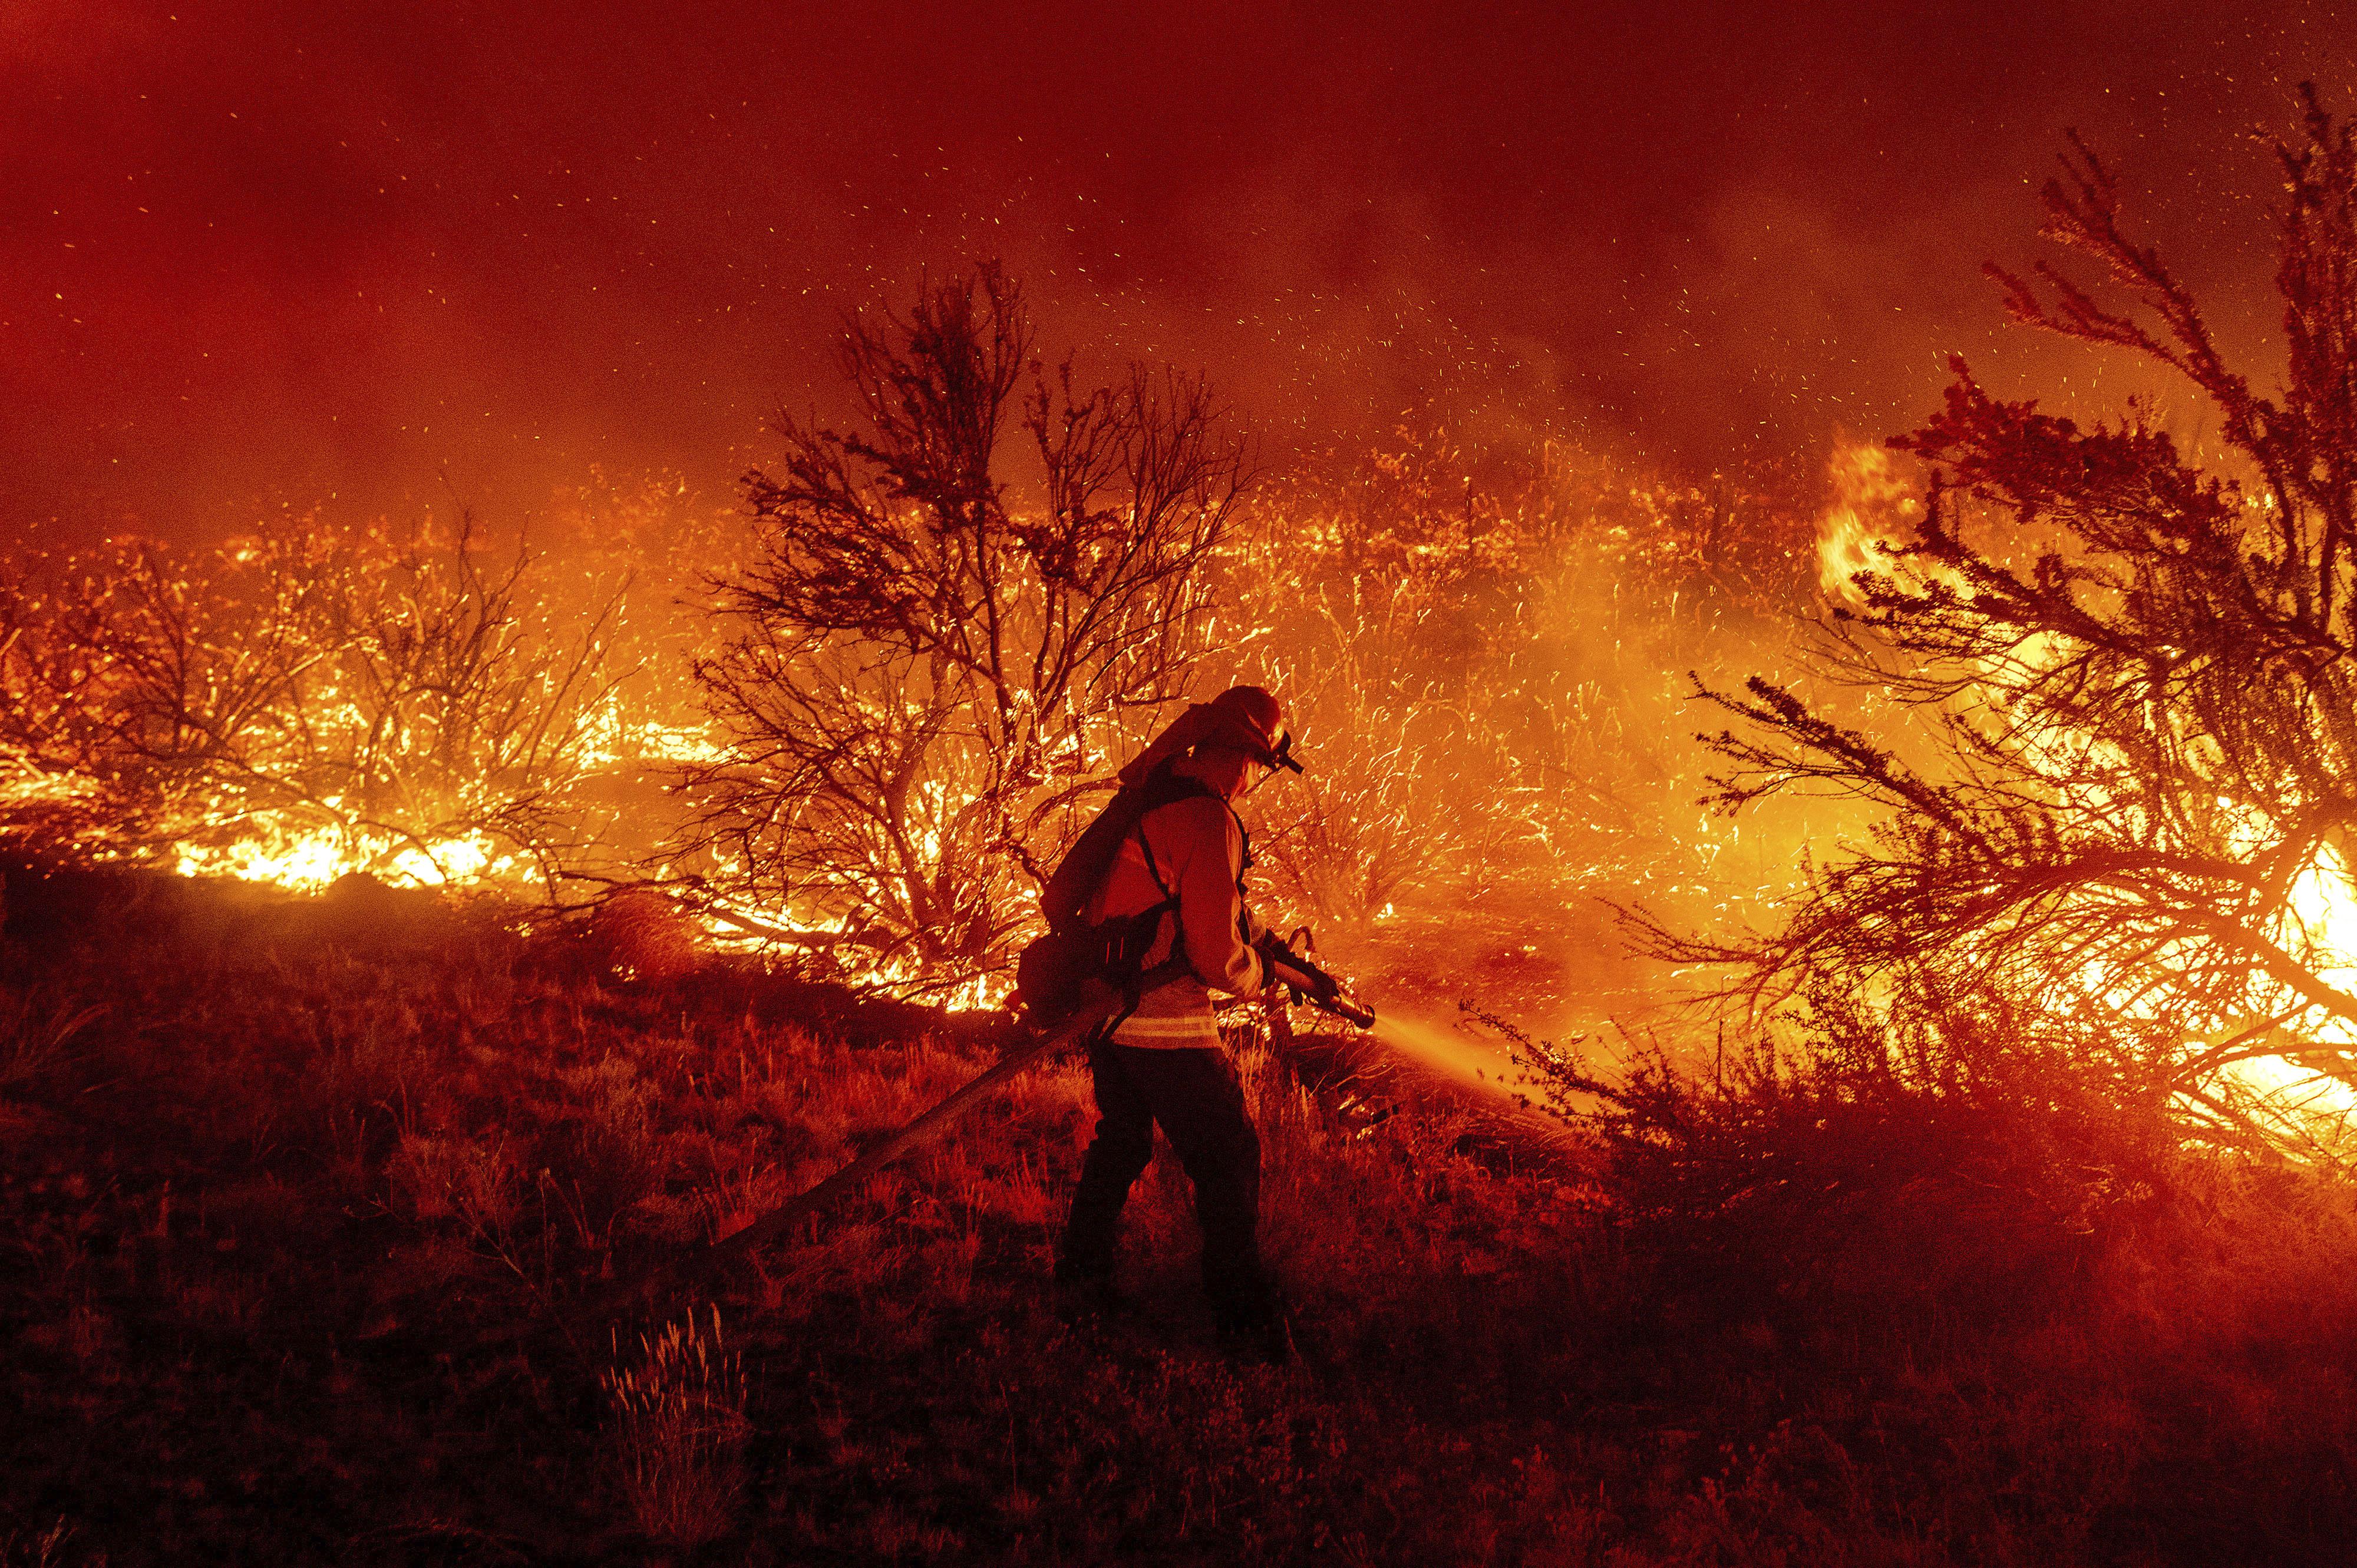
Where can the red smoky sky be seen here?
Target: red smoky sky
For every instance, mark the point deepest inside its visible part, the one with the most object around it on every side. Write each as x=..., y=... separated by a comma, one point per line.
x=376, y=256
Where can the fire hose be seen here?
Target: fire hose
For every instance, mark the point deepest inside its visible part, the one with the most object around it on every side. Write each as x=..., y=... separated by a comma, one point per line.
x=1101, y=1004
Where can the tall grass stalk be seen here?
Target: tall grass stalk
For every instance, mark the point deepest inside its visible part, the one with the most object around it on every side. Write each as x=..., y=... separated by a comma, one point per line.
x=679, y=1431
x=37, y=1035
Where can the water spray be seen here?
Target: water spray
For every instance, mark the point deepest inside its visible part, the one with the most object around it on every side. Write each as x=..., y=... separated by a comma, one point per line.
x=1436, y=1050
x=1306, y=983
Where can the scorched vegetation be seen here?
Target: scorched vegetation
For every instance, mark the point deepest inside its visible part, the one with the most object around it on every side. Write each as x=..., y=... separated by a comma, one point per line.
x=302, y=1203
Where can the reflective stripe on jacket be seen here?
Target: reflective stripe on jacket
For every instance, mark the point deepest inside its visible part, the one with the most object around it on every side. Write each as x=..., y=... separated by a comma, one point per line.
x=1199, y=851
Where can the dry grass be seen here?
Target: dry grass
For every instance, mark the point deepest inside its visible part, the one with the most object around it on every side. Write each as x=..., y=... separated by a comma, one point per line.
x=37, y=1032
x=258, y=1220
x=49, y=1548
x=679, y=1431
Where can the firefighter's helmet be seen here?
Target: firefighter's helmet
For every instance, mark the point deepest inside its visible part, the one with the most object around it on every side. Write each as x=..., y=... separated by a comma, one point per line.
x=1252, y=721
x=1244, y=717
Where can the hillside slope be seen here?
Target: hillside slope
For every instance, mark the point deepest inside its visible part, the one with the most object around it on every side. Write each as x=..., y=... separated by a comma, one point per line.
x=300, y=1201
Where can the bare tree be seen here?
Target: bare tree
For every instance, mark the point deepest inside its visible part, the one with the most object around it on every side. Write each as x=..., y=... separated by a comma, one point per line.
x=2130, y=838
x=928, y=676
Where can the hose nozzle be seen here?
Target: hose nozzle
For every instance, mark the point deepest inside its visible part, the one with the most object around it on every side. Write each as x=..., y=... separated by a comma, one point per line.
x=1309, y=984
x=1355, y=1012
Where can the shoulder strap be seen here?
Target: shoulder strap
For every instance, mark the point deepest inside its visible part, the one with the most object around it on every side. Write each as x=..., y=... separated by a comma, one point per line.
x=1085, y=866
x=1166, y=788
x=1153, y=868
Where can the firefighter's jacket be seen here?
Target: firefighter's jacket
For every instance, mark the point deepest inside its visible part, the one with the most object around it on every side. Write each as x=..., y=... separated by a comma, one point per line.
x=1199, y=850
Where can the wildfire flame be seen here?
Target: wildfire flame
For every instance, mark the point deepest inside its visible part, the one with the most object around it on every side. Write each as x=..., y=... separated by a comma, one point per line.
x=1872, y=504
x=308, y=861
x=1872, y=507
x=2323, y=907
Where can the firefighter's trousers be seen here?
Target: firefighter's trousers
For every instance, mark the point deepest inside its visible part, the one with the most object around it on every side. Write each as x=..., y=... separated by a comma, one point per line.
x=1194, y=1094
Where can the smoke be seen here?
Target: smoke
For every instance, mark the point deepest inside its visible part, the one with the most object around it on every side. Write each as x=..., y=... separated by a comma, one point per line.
x=257, y=253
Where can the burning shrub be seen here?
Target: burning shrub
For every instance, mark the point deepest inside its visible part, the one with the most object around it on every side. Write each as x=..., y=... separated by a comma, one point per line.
x=297, y=706
x=1480, y=647
x=1368, y=824
x=1886, y=1167
x=2130, y=836
x=1373, y=583
x=1662, y=580
x=925, y=682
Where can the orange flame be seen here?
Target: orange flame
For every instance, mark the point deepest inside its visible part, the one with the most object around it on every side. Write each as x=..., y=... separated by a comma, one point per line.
x=1872, y=504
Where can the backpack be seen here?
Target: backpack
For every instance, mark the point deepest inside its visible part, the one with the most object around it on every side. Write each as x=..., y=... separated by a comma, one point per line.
x=1051, y=975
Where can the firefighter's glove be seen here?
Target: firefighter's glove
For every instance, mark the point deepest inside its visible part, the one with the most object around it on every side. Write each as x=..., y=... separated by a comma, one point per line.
x=1275, y=951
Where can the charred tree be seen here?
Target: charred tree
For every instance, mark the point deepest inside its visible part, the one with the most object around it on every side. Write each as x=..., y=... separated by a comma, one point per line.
x=930, y=671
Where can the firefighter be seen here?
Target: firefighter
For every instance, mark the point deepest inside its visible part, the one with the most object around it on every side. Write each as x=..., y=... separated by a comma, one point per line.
x=1164, y=1062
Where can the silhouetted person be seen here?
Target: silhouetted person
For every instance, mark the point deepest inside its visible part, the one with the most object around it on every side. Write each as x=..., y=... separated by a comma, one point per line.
x=1165, y=1061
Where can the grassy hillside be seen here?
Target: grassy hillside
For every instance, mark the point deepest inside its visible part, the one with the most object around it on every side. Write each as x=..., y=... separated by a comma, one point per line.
x=300, y=1202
